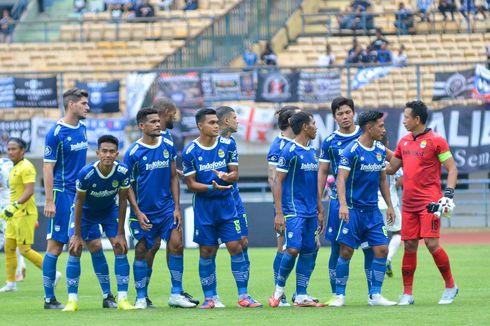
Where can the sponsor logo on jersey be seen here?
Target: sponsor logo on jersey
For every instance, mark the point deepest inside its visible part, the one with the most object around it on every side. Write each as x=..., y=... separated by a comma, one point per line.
x=309, y=166
x=115, y=184
x=371, y=167
x=103, y=193
x=122, y=169
x=156, y=165
x=221, y=153
x=282, y=161
x=79, y=146
x=47, y=150
x=423, y=143
x=344, y=161
x=212, y=165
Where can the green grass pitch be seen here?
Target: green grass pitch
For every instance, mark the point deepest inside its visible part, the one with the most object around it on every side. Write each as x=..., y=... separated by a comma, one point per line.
x=470, y=265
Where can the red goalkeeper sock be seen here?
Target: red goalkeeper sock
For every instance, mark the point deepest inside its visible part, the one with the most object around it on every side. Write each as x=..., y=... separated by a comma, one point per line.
x=442, y=261
x=409, y=265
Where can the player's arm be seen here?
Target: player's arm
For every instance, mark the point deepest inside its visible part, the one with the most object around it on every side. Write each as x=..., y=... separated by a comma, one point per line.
x=194, y=186
x=395, y=164
x=452, y=172
x=76, y=242
x=271, y=174
x=48, y=175
x=342, y=176
x=230, y=176
x=175, y=189
x=120, y=239
x=279, y=218
x=384, y=187
x=389, y=154
x=323, y=168
x=142, y=218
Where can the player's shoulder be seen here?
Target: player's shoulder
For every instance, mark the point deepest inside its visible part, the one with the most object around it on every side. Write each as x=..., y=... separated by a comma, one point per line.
x=121, y=168
x=379, y=145
x=435, y=136
x=225, y=140
x=55, y=130
x=168, y=141
x=26, y=165
x=87, y=171
x=132, y=149
x=330, y=138
x=189, y=148
x=352, y=147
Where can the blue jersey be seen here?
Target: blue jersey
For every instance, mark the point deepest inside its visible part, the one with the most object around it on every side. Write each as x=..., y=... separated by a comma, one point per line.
x=365, y=165
x=331, y=150
x=150, y=170
x=299, y=188
x=276, y=148
x=101, y=191
x=236, y=192
x=66, y=146
x=201, y=161
x=167, y=134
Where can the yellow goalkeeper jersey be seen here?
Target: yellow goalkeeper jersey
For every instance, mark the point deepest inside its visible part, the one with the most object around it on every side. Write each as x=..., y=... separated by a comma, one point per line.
x=22, y=173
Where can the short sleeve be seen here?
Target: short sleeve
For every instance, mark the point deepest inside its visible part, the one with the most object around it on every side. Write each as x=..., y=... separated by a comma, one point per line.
x=232, y=153
x=125, y=179
x=272, y=157
x=398, y=150
x=284, y=160
x=51, y=146
x=442, y=149
x=346, y=158
x=130, y=164
x=29, y=174
x=188, y=165
x=324, y=157
x=81, y=183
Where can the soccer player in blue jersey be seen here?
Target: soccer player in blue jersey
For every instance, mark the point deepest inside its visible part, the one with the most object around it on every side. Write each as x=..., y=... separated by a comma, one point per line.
x=278, y=144
x=361, y=172
x=65, y=154
x=331, y=149
x=98, y=184
x=210, y=165
x=297, y=214
x=155, y=203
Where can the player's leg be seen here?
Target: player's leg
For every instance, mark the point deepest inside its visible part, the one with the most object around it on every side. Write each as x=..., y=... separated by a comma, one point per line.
x=368, y=262
x=175, y=263
x=277, y=265
x=121, y=269
x=150, y=258
x=377, y=277
x=207, y=271
x=395, y=239
x=140, y=272
x=25, y=238
x=410, y=235
x=333, y=225
x=244, y=239
x=20, y=272
x=10, y=247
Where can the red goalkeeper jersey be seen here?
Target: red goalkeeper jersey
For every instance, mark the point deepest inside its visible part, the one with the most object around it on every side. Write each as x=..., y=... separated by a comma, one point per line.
x=422, y=156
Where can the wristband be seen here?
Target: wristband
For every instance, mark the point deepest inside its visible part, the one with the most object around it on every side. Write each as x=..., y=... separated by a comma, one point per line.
x=449, y=193
x=210, y=187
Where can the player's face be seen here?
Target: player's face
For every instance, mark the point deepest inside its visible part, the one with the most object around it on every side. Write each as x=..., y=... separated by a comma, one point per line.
x=151, y=126
x=409, y=121
x=378, y=130
x=344, y=117
x=15, y=152
x=81, y=108
x=232, y=122
x=107, y=153
x=167, y=118
x=311, y=129
x=209, y=127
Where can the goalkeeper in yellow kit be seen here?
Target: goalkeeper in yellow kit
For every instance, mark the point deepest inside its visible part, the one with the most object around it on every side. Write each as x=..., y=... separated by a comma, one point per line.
x=21, y=213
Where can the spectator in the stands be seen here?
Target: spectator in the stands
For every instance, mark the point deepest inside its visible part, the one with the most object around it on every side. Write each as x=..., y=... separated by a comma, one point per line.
x=191, y=5
x=357, y=16
x=359, y=55
x=355, y=43
x=400, y=59
x=250, y=57
x=446, y=6
x=145, y=10
x=6, y=27
x=166, y=4
x=379, y=41
x=403, y=19
x=383, y=55
x=327, y=59
x=467, y=7
x=269, y=57
x=79, y=5
x=483, y=8
x=423, y=9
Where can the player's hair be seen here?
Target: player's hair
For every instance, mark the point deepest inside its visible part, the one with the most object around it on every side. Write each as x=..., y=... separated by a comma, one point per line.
x=74, y=95
x=284, y=115
x=368, y=117
x=299, y=119
x=107, y=139
x=223, y=112
x=339, y=101
x=144, y=113
x=164, y=105
x=202, y=113
x=18, y=141
x=418, y=109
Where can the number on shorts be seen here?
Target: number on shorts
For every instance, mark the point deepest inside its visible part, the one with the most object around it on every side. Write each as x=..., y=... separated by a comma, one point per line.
x=238, y=228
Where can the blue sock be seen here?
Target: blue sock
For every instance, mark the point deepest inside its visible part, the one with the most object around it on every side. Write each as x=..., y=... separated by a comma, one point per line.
x=277, y=264
x=207, y=274
x=332, y=263
x=368, y=262
x=245, y=254
x=49, y=274
x=378, y=275
x=239, y=269
x=342, y=275
x=287, y=265
x=215, y=285
x=149, y=271
x=303, y=271
x=140, y=275
x=121, y=268
x=73, y=274
x=176, y=268
x=101, y=270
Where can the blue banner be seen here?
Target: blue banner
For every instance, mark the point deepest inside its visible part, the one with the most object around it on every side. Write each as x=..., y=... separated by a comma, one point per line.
x=365, y=75
x=7, y=98
x=100, y=127
x=103, y=96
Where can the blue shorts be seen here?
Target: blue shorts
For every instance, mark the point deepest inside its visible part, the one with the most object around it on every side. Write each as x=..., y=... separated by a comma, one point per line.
x=93, y=222
x=365, y=225
x=300, y=233
x=243, y=224
x=215, y=221
x=59, y=224
x=333, y=222
x=160, y=230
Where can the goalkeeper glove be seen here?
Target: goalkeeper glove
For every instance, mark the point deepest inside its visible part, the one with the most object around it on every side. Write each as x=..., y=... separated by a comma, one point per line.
x=445, y=206
x=9, y=211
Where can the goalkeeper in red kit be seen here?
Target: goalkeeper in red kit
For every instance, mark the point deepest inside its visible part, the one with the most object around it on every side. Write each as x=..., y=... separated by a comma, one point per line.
x=421, y=153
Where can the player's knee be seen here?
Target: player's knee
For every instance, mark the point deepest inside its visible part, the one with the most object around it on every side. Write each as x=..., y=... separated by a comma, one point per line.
x=293, y=251
x=54, y=247
x=381, y=252
x=140, y=250
x=244, y=242
x=411, y=245
x=346, y=252
x=432, y=244
x=24, y=249
x=95, y=245
x=176, y=247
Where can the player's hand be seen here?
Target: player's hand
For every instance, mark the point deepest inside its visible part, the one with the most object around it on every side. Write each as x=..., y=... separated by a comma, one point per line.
x=178, y=219
x=446, y=207
x=225, y=176
x=76, y=245
x=390, y=215
x=344, y=213
x=120, y=241
x=180, y=173
x=49, y=209
x=217, y=186
x=321, y=222
x=9, y=211
x=144, y=222
x=279, y=223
